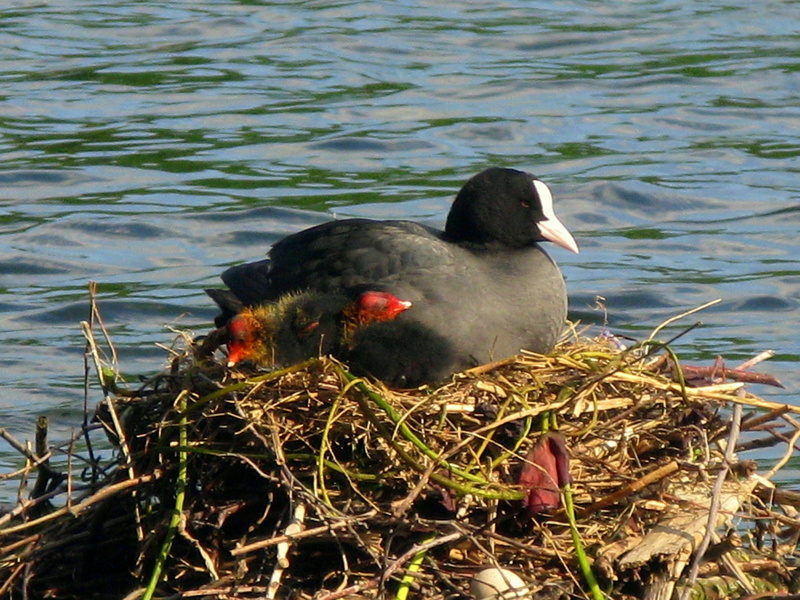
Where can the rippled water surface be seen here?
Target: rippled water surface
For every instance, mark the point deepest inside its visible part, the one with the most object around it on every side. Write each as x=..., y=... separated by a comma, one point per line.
x=149, y=145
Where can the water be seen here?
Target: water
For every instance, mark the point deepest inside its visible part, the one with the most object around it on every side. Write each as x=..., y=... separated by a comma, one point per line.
x=149, y=145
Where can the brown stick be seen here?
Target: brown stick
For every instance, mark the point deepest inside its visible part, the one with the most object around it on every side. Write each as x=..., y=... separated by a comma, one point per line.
x=750, y=424
x=631, y=488
x=34, y=460
x=75, y=509
x=7, y=585
x=715, y=372
x=43, y=477
x=300, y=535
x=778, y=496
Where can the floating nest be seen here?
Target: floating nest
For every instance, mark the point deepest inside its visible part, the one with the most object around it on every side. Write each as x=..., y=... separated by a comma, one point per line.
x=310, y=483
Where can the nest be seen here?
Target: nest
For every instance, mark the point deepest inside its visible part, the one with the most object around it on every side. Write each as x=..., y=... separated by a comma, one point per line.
x=310, y=483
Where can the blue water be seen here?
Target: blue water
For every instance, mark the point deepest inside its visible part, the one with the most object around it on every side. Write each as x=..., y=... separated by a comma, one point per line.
x=149, y=145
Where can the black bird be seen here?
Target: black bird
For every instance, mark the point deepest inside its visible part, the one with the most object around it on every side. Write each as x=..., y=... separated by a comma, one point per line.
x=481, y=290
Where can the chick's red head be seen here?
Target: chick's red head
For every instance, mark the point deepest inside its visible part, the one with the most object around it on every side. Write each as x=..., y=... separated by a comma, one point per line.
x=242, y=338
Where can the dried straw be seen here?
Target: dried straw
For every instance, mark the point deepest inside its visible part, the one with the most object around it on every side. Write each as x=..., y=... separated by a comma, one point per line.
x=312, y=483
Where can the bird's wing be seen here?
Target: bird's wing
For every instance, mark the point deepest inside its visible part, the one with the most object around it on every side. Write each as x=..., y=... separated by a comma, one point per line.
x=341, y=255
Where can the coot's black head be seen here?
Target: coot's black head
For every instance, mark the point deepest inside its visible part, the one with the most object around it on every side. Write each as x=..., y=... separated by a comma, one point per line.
x=506, y=206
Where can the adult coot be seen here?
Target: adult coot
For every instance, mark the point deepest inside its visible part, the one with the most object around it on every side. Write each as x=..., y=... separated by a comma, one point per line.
x=482, y=289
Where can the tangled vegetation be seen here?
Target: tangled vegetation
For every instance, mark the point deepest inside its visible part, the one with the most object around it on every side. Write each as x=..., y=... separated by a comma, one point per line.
x=310, y=483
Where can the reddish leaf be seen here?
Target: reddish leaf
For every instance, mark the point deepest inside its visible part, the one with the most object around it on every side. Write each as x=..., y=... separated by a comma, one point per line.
x=545, y=471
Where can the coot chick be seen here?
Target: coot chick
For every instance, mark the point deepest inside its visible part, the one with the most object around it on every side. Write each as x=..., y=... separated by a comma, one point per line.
x=483, y=287
x=307, y=324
